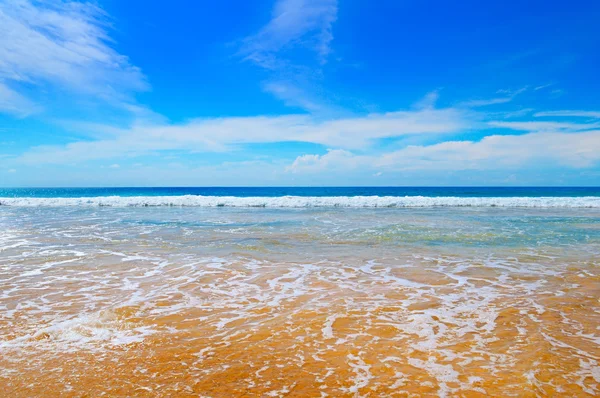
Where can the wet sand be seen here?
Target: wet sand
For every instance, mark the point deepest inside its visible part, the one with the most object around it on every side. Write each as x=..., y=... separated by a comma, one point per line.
x=250, y=303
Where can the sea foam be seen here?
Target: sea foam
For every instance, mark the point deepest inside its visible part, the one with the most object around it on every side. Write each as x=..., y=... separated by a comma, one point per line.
x=308, y=201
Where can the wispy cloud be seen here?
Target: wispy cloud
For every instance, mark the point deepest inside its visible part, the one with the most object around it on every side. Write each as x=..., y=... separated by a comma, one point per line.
x=220, y=134
x=296, y=96
x=535, y=126
x=571, y=113
x=63, y=44
x=352, y=140
x=507, y=96
x=294, y=25
x=486, y=102
x=577, y=150
x=14, y=103
x=497, y=152
x=543, y=86
x=429, y=101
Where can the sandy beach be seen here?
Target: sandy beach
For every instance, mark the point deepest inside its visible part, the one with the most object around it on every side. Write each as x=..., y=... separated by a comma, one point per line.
x=351, y=302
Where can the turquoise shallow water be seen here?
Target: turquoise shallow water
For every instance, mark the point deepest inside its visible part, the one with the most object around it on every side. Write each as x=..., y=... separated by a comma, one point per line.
x=307, y=232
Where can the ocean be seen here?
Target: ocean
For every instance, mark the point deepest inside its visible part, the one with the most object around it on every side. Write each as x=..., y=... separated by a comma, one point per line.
x=300, y=292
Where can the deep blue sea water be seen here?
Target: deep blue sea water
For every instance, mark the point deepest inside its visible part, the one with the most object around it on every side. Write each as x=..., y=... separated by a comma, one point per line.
x=303, y=191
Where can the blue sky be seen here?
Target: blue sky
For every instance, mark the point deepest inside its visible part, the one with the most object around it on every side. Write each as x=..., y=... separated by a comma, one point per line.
x=299, y=92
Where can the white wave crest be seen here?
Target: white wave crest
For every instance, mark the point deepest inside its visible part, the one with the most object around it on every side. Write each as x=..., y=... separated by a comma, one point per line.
x=309, y=201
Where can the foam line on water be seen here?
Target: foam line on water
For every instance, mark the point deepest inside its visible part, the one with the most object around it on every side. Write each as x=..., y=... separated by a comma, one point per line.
x=309, y=201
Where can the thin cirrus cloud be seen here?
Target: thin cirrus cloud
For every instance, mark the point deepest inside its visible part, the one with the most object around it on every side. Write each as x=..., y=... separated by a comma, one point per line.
x=294, y=24
x=544, y=126
x=60, y=44
x=508, y=96
x=302, y=94
x=589, y=114
x=14, y=103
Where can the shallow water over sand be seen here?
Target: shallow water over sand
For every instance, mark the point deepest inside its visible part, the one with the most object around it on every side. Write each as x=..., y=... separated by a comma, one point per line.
x=299, y=302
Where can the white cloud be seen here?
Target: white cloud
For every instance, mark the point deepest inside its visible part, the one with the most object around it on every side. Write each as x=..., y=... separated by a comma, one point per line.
x=221, y=134
x=293, y=23
x=14, y=103
x=333, y=159
x=429, y=101
x=497, y=151
x=509, y=96
x=544, y=126
x=64, y=44
x=293, y=95
x=543, y=86
x=590, y=114
x=485, y=102
x=575, y=150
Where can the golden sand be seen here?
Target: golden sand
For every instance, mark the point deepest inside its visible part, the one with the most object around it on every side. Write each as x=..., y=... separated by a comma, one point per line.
x=357, y=335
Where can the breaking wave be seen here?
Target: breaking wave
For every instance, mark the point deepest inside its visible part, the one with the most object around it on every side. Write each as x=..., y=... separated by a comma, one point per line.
x=309, y=201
